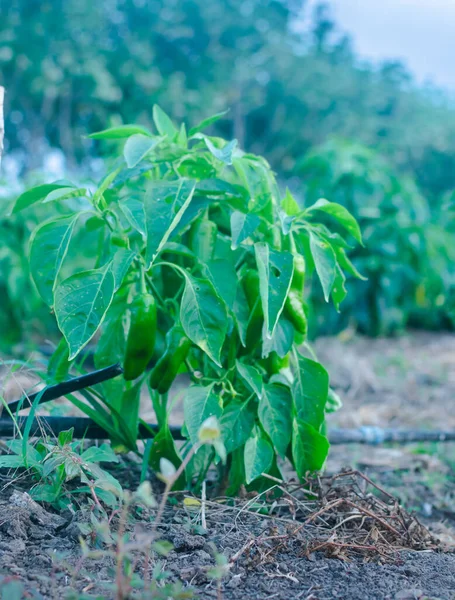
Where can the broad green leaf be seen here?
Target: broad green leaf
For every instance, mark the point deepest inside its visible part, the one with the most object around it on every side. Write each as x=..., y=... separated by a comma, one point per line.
x=36, y=194
x=341, y=214
x=258, y=456
x=346, y=264
x=103, y=453
x=203, y=316
x=242, y=227
x=120, y=132
x=222, y=274
x=129, y=407
x=199, y=404
x=310, y=390
x=163, y=123
x=48, y=248
x=59, y=365
x=207, y=122
x=260, y=183
x=164, y=207
x=290, y=205
x=237, y=421
x=281, y=340
x=309, y=448
x=133, y=209
x=275, y=273
x=182, y=138
x=275, y=414
x=324, y=261
x=137, y=147
x=81, y=303
x=251, y=377
x=105, y=185
x=120, y=264
x=223, y=154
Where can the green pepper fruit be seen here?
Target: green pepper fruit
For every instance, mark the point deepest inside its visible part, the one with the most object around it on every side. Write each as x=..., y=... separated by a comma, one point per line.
x=203, y=239
x=167, y=367
x=251, y=287
x=294, y=307
x=141, y=338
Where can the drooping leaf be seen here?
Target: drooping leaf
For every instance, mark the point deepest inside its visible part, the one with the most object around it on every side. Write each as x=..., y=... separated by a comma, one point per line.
x=341, y=214
x=258, y=456
x=275, y=275
x=137, y=147
x=207, y=122
x=203, y=316
x=324, y=261
x=236, y=422
x=309, y=448
x=339, y=291
x=199, y=403
x=242, y=227
x=111, y=344
x=241, y=313
x=251, y=377
x=164, y=447
x=281, y=340
x=120, y=132
x=275, y=414
x=222, y=274
x=64, y=194
x=81, y=302
x=223, y=154
x=59, y=365
x=133, y=209
x=48, y=248
x=120, y=264
x=36, y=194
x=310, y=391
x=163, y=123
x=164, y=207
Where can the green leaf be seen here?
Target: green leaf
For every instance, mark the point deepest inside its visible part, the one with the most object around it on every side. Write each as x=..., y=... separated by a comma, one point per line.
x=339, y=291
x=241, y=313
x=223, y=154
x=199, y=404
x=222, y=274
x=137, y=147
x=133, y=209
x=341, y=214
x=236, y=422
x=59, y=365
x=164, y=207
x=290, y=205
x=310, y=390
x=111, y=344
x=103, y=453
x=203, y=316
x=251, y=377
x=275, y=274
x=64, y=194
x=281, y=340
x=207, y=122
x=182, y=138
x=242, y=227
x=309, y=448
x=258, y=456
x=48, y=248
x=120, y=132
x=275, y=414
x=163, y=123
x=324, y=261
x=120, y=264
x=81, y=302
x=36, y=194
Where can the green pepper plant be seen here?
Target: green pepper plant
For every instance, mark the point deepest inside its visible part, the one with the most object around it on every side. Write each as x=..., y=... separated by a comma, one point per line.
x=199, y=268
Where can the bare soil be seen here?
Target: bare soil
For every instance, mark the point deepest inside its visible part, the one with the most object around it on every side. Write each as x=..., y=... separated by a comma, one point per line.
x=404, y=382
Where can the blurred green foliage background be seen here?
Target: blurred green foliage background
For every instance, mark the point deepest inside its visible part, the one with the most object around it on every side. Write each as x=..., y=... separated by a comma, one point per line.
x=365, y=136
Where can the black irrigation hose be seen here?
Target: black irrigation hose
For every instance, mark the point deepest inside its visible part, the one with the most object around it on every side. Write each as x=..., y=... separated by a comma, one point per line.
x=86, y=428
x=52, y=392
